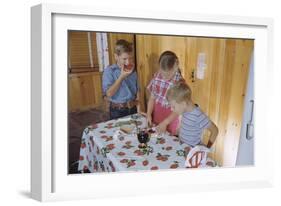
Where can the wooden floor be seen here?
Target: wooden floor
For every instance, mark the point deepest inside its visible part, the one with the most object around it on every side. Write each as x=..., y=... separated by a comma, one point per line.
x=77, y=122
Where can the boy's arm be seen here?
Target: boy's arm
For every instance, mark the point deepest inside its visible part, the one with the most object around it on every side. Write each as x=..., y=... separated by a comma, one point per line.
x=150, y=105
x=170, y=118
x=116, y=85
x=214, y=133
x=179, y=126
x=138, y=100
x=162, y=127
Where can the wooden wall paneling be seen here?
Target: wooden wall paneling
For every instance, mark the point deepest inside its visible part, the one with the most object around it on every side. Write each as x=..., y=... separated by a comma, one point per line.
x=175, y=44
x=97, y=81
x=201, y=87
x=216, y=86
x=153, y=46
x=85, y=91
x=243, y=50
x=112, y=38
x=75, y=94
x=225, y=99
x=190, y=60
x=141, y=65
x=147, y=63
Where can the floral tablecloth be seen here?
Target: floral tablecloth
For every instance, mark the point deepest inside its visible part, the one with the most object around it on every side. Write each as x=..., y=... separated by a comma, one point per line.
x=101, y=151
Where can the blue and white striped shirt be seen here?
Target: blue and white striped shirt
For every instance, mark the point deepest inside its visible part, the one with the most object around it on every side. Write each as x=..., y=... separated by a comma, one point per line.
x=192, y=126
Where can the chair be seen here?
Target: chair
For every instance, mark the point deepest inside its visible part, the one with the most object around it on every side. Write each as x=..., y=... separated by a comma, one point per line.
x=197, y=157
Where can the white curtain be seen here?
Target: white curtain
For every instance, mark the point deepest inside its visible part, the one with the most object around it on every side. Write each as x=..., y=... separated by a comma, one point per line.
x=102, y=48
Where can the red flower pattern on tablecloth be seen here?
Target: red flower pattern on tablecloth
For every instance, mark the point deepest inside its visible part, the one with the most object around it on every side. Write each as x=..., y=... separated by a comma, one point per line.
x=97, y=142
x=174, y=165
x=83, y=145
x=138, y=152
x=96, y=166
x=145, y=163
x=187, y=149
x=109, y=125
x=128, y=145
x=121, y=153
x=94, y=126
x=124, y=160
x=161, y=157
x=129, y=162
x=110, y=146
x=160, y=140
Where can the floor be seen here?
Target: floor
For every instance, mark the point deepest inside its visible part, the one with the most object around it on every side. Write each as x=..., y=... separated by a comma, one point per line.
x=77, y=122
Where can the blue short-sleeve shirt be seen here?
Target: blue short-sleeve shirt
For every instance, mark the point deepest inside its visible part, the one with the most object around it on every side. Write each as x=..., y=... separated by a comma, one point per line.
x=128, y=88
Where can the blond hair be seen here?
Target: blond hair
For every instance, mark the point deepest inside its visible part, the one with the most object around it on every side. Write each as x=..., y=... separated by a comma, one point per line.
x=123, y=46
x=180, y=92
x=167, y=60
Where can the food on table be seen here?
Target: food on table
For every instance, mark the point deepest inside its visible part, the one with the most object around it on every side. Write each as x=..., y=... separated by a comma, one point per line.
x=127, y=128
x=121, y=123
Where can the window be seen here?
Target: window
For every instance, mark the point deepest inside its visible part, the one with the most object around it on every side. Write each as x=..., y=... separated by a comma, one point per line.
x=82, y=53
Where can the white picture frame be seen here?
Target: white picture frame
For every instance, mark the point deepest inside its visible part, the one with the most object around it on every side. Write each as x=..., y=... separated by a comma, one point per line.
x=49, y=178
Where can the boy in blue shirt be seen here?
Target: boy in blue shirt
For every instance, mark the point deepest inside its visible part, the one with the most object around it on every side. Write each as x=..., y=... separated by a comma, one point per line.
x=120, y=82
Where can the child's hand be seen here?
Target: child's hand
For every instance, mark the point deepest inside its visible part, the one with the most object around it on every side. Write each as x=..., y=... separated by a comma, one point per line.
x=149, y=120
x=125, y=72
x=162, y=127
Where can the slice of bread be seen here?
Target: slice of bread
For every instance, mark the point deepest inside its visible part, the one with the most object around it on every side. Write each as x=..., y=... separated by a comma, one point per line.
x=127, y=128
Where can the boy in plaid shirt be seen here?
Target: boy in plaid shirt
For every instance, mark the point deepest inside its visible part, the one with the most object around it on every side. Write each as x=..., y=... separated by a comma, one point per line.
x=158, y=108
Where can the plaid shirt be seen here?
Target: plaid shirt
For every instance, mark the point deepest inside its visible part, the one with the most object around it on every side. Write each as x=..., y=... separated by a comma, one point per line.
x=159, y=86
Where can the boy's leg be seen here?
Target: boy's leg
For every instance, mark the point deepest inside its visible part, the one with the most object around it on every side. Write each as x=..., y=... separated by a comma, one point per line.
x=114, y=113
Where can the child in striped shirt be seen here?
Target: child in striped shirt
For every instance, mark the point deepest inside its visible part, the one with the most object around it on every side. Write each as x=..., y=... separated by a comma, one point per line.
x=193, y=120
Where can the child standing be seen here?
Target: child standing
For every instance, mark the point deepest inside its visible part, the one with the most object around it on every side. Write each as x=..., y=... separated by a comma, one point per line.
x=158, y=108
x=120, y=82
x=193, y=120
